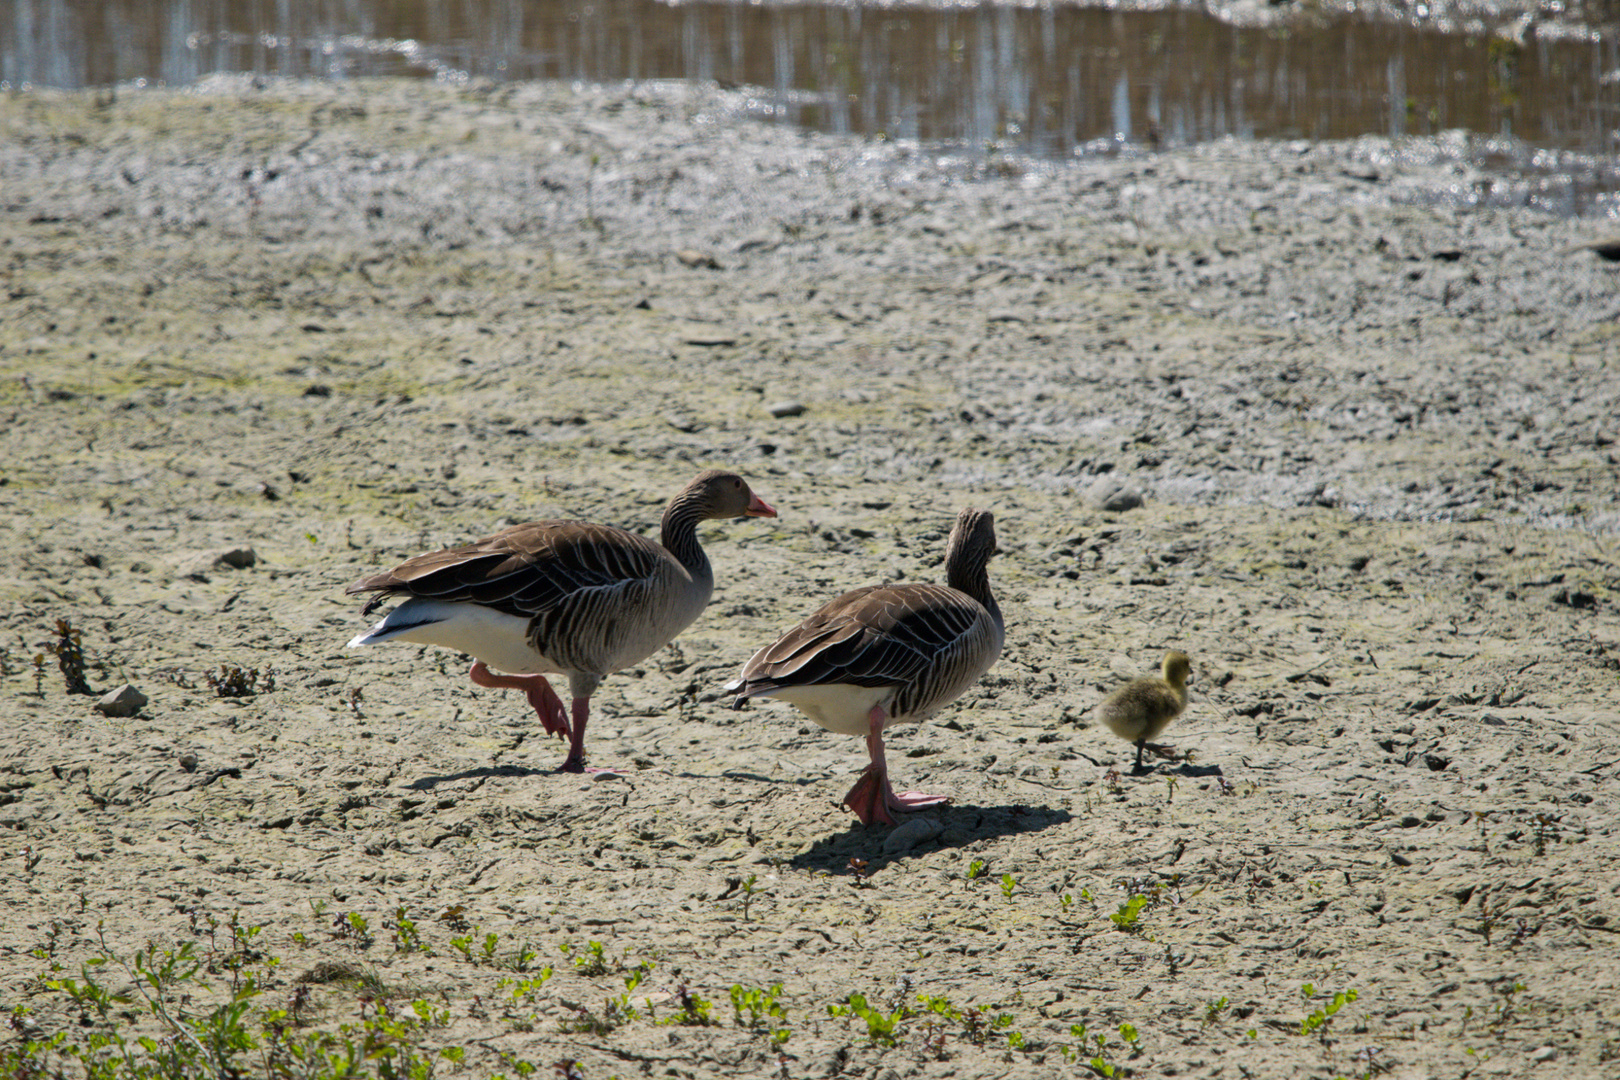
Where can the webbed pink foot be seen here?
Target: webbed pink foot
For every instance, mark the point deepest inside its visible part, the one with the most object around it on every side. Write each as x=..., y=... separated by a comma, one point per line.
x=542, y=698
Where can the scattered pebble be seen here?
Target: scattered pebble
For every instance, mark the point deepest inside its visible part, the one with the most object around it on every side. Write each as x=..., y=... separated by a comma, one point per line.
x=1111, y=495
x=785, y=408
x=697, y=260
x=908, y=835
x=124, y=701
x=230, y=558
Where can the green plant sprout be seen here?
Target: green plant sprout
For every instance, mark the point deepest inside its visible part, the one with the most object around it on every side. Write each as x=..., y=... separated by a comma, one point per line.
x=1317, y=1021
x=694, y=1010
x=881, y=1027
x=1084, y=1041
x=763, y=1008
x=591, y=960
x=1129, y=913
x=406, y=937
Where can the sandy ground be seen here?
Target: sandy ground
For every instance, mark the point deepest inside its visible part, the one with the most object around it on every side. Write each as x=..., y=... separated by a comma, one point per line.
x=1374, y=436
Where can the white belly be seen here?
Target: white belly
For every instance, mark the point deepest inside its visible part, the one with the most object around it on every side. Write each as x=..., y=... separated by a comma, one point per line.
x=499, y=640
x=838, y=707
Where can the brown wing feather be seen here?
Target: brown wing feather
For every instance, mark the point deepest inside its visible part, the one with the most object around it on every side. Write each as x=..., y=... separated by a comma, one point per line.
x=880, y=635
x=524, y=570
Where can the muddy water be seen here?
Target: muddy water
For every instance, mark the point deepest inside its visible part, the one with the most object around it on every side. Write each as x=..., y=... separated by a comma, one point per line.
x=1050, y=80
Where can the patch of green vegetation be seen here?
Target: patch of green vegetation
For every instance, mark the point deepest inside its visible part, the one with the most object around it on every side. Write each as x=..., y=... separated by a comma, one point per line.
x=173, y=1022
x=1092, y=1048
x=1317, y=1022
x=881, y=1027
x=1128, y=917
x=764, y=1009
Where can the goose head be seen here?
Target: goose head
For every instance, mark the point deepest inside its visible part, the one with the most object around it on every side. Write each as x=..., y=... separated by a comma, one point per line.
x=720, y=494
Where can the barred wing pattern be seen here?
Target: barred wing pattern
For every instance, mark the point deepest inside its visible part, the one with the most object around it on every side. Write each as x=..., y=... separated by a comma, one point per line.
x=931, y=642
x=572, y=579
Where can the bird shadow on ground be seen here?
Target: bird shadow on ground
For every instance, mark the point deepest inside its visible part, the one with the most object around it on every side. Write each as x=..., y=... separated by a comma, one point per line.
x=428, y=783
x=963, y=825
x=1167, y=768
x=756, y=778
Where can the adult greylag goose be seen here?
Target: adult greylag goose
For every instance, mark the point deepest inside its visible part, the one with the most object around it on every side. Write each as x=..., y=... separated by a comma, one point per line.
x=561, y=598
x=1141, y=710
x=888, y=654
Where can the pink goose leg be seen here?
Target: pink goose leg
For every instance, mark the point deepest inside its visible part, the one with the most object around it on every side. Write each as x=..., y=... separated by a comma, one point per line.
x=547, y=705
x=872, y=798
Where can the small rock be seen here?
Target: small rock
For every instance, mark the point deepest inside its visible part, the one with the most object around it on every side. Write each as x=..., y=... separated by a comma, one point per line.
x=697, y=260
x=607, y=774
x=785, y=408
x=234, y=558
x=188, y=762
x=124, y=701
x=911, y=833
x=1546, y=1053
x=1109, y=494
x=681, y=423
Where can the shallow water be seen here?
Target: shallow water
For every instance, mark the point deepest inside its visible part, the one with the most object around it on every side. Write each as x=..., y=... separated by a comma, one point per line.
x=1048, y=80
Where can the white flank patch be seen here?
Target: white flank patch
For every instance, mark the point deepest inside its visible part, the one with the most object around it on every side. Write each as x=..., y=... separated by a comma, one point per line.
x=838, y=707
x=499, y=640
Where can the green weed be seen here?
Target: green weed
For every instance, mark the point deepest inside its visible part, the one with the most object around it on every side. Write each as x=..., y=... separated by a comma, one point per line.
x=406, y=937
x=1128, y=917
x=694, y=1010
x=1317, y=1022
x=763, y=1008
x=200, y=1032
x=591, y=960
x=881, y=1027
x=1091, y=1049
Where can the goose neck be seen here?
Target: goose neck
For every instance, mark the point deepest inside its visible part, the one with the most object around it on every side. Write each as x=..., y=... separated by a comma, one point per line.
x=680, y=534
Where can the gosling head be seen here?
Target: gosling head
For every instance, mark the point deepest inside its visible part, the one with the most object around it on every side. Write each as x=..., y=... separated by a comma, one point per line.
x=1177, y=669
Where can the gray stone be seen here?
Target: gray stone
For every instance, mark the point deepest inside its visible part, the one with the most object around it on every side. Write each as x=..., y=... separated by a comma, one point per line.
x=124, y=701
x=230, y=558
x=909, y=834
x=1109, y=494
x=785, y=408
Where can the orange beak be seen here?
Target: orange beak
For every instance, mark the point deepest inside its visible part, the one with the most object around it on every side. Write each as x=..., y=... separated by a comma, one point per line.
x=758, y=507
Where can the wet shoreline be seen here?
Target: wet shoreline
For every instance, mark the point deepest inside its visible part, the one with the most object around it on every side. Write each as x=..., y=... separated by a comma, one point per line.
x=1045, y=81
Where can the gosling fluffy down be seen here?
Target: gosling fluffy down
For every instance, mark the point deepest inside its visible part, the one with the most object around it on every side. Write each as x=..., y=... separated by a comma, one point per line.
x=1140, y=710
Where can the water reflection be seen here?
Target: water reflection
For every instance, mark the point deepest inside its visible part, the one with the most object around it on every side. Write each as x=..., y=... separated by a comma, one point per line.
x=1041, y=79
